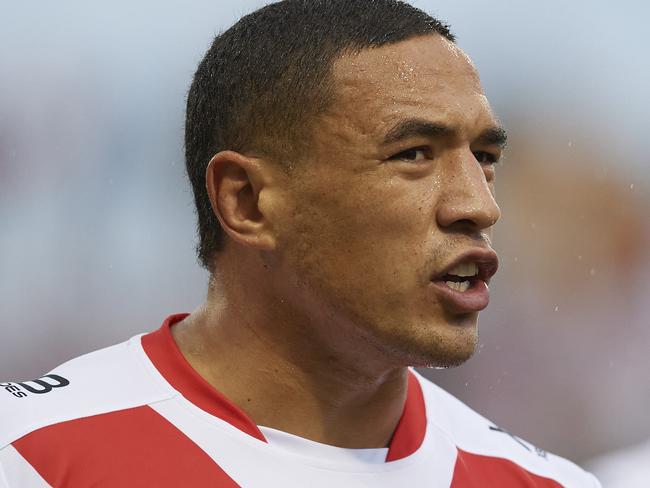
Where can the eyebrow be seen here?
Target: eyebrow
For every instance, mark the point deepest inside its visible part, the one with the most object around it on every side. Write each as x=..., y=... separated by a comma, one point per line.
x=416, y=127
x=492, y=136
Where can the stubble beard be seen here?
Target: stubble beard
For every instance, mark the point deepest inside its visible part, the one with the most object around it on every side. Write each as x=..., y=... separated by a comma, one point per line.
x=436, y=349
x=441, y=346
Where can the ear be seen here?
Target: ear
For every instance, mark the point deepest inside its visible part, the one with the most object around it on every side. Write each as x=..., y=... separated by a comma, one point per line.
x=234, y=183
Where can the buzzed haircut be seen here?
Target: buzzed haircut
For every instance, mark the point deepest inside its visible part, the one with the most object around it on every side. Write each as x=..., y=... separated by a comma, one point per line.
x=264, y=79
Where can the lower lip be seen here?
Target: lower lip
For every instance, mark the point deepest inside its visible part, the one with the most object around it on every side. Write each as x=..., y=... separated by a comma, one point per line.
x=475, y=299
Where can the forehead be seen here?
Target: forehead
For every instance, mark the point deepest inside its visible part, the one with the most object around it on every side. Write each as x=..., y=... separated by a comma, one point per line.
x=426, y=77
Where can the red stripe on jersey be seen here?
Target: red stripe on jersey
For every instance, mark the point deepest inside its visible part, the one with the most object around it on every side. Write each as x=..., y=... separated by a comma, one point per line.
x=136, y=447
x=412, y=426
x=477, y=471
x=172, y=365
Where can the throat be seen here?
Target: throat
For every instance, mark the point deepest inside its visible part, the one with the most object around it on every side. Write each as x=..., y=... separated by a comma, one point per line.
x=278, y=386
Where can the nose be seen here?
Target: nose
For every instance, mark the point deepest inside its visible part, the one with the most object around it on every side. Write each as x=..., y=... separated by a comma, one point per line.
x=467, y=200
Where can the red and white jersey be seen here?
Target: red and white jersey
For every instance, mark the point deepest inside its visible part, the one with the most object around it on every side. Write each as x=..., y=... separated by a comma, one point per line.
x=137, y=415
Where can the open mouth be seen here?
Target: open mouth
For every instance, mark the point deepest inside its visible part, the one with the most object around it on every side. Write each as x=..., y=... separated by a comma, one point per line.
x=463, y=283
x=462, y=277
x=468, y=268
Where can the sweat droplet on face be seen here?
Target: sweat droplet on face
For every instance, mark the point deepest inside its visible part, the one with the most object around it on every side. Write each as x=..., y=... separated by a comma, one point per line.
x=406, y=72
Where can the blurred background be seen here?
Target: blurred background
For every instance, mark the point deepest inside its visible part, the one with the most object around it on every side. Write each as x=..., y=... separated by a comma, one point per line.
x=97, y=230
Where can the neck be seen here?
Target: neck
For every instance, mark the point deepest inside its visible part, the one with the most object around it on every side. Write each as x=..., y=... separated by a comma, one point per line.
x=266, y=361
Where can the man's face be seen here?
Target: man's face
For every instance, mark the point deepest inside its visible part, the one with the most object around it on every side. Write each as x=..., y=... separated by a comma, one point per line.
x=396, y=189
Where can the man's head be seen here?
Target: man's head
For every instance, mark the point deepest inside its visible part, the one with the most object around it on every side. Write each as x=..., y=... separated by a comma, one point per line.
x=358, y=176
x=266, y=78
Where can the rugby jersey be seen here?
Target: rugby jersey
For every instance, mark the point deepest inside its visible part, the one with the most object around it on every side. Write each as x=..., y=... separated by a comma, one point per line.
x=137, y=415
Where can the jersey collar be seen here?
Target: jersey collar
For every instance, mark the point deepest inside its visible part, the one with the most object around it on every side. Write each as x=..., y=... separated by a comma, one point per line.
x=165, y=355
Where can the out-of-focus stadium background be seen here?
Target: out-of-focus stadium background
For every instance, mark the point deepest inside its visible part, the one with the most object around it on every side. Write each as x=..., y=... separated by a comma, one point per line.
x=97, y=228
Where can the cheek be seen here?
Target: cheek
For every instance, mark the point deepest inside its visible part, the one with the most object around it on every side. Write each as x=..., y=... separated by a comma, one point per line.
x=365, y=255
x=366, y=219
x=361, y=236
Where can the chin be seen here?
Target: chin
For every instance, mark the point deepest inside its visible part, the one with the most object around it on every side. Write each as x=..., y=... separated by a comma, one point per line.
x=445, y=357
x=450, y=360
x=439, y=346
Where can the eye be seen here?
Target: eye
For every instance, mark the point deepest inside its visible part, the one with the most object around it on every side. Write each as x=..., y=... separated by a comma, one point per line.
x=414, y=154
x=486, y=158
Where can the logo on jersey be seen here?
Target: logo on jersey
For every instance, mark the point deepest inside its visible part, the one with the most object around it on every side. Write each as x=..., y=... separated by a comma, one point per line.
x=529, y=447
x=44, y=384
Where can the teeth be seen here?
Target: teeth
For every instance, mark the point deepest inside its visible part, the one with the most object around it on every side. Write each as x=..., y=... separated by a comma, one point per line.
x=465, y=269
x=458, y=286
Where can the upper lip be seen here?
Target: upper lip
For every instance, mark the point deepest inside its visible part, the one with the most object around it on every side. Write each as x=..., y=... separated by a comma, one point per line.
x=486, y=260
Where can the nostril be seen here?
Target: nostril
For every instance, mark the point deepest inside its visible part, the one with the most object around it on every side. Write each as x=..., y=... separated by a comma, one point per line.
x=465, y=222
x=465, y=226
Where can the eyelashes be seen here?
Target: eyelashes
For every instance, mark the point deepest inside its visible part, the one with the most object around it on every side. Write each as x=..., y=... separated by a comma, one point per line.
x=420, y=153
x=486, y=158
x=424, y=153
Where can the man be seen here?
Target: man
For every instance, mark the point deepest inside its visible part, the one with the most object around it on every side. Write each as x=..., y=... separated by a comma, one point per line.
x=342, y=156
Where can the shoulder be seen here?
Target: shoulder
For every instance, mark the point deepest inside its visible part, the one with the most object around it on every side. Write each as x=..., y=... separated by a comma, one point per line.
x=111, y=379
x=627, y=467
x=481, y=442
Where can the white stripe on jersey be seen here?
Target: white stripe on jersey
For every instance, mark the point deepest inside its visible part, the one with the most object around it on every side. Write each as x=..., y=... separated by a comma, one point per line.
x=235, y=452
x=111, y=379
x=18, y=472
x=471, y=432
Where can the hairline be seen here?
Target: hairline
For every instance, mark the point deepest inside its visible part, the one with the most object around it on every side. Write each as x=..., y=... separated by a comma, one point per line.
x=327, y=92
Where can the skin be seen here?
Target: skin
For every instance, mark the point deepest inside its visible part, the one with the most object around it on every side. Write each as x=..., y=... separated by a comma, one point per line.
x=323, y=294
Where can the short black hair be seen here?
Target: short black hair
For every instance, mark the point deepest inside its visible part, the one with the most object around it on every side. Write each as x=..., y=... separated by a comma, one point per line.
x=263, y=78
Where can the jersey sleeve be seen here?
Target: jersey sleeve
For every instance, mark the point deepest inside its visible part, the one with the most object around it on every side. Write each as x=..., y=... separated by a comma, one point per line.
x=16, y=472
x=3, y=479
x=107, y=380
x=594, y=481
x=486, y=447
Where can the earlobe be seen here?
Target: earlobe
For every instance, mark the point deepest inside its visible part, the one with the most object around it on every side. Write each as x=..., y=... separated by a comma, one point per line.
x=234, y=183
